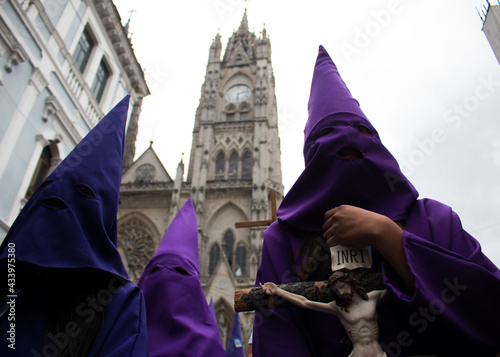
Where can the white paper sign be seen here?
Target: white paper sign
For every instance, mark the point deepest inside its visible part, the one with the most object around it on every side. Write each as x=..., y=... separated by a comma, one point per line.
x=344, y=257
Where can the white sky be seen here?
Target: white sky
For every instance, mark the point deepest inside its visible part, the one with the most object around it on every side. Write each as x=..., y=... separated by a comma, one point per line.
x=423, y=72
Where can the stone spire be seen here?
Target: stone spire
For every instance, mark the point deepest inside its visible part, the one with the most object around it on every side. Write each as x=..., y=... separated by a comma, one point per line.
x=215, y=50
x=240, y=47
x=244, y=24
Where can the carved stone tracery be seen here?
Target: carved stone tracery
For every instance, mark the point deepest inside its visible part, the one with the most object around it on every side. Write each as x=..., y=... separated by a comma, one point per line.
x=136, y=242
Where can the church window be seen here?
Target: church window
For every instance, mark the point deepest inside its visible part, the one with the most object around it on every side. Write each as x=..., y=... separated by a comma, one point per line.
x=83, y=50
x=41, y=171
x=219, y=166
x=101, y=77
x=241, y=259
x=136, y=237
x=245, y=115
x=230, y=112
x=233, y=166
x=246, y=167
x=145, y=173
x=229, y=246
x=214, y=258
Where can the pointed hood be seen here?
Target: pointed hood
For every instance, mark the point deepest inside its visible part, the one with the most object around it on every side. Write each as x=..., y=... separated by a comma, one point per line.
x=329, y=96
x=346, y=163
x=180, y=322
x=235, y=342
x=70, y=221
x=212, y=308
x=179, y=245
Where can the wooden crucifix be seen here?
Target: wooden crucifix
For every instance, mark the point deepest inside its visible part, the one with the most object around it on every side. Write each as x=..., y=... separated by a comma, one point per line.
x=267, y=222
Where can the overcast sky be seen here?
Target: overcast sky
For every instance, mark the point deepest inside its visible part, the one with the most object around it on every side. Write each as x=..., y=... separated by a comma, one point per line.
x=423, y=72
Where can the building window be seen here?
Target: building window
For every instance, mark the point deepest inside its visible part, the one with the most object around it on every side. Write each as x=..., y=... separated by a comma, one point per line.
x=245, y=115
x=145, y=173
x=246, y=167
x=41, y=171
x=214, y=258
x=241, y=259
x=101, y=77
x=233, y=166
x=219, y=166
x=83, y=50
x=229, y=246
x=230, y=112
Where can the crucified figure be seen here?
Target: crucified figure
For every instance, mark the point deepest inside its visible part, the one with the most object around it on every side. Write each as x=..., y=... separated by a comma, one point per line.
x=355, y=308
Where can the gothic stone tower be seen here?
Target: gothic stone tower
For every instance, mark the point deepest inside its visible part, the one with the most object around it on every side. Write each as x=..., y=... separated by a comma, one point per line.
x=234, y=165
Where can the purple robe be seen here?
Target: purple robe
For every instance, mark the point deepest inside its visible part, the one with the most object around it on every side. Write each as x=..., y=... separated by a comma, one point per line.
x=453, y=310
x=180, y=321
x=68, y=228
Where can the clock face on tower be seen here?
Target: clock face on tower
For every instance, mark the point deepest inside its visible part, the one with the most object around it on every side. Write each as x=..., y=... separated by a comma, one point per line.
x=238, y=94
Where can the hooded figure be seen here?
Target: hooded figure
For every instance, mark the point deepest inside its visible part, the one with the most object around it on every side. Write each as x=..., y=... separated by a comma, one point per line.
x=443, y=290
x=235, y=343
x=72, y=295
x=180, y=321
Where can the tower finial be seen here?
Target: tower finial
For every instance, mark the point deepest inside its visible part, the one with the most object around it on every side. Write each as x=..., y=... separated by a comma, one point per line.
x=127, y=25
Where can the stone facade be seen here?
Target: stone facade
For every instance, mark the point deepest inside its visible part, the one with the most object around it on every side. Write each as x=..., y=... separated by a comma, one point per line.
x=234, y=165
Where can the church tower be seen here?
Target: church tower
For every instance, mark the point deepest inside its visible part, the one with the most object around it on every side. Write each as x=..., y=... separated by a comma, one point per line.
x=233, y=171
x=234, y=166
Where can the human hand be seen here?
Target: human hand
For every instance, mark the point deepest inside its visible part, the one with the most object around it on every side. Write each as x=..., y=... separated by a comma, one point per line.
x=270, y=288
x=354, y=226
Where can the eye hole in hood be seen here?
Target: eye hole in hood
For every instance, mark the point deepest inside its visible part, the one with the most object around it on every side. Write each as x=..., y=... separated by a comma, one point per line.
x=363, y=129
x=55, y=202
x=325, y=132
x=154, y=270
x=181, y=271
x=86, y=190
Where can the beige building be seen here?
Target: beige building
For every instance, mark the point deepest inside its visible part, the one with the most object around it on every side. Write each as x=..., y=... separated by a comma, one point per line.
x=234, y=166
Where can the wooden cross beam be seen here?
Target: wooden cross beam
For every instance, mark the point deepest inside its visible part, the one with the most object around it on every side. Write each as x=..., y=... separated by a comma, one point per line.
x=256, y=299
x=274, y=216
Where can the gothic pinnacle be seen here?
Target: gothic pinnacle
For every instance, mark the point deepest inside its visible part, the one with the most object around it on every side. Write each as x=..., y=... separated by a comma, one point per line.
x=244, y=23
